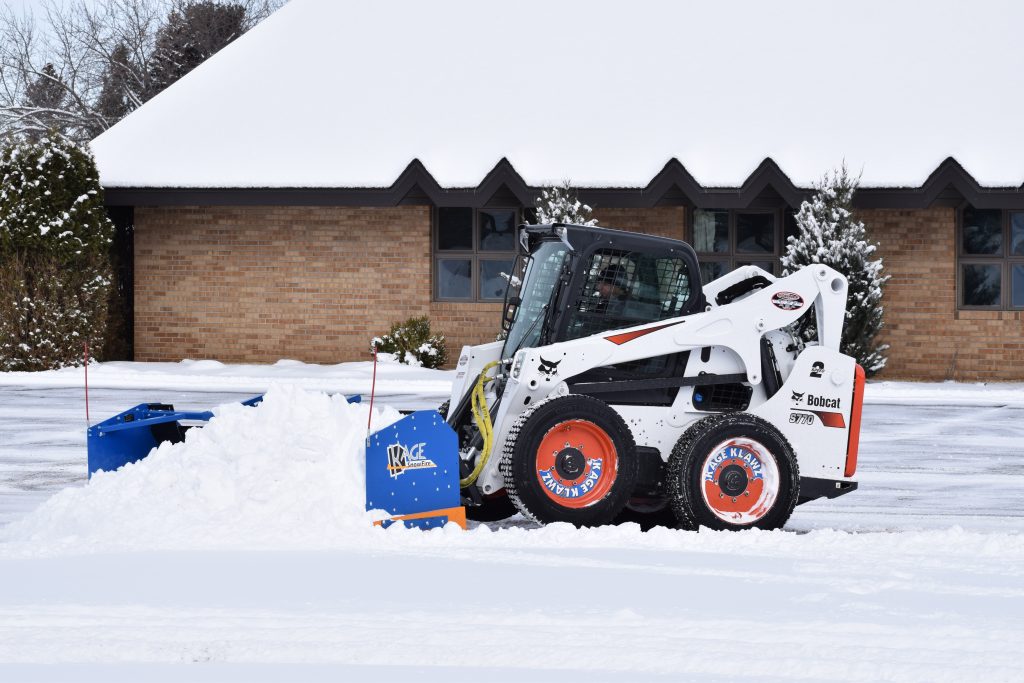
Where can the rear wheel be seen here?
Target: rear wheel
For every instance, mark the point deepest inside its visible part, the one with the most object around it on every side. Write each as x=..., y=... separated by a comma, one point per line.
x=570, y=459
x=733, y=471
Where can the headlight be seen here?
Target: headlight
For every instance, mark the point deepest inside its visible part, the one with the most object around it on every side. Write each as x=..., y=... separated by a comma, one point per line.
x=518, y=365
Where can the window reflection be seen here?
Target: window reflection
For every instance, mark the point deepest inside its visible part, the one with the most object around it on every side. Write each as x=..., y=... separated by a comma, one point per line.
x=981, y=284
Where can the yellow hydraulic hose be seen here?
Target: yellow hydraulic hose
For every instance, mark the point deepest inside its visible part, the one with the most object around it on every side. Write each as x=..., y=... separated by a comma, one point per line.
x=482, y=418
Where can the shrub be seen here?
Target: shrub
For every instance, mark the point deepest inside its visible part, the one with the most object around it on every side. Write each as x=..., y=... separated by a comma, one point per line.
x=54, y=255
x=412, y=343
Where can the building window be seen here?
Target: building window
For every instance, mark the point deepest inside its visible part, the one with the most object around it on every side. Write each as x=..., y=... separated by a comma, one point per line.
x=990, y=247
x=725, y=239
x=472, y=248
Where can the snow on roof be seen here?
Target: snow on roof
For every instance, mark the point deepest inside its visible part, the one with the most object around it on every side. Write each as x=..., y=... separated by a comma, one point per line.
x=336, y=93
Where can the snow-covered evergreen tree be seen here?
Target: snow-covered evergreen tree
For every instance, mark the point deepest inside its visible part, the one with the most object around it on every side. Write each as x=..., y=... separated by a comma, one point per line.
x=54, y=255
x=830, y=234
x=559, y=204
x=195, y=30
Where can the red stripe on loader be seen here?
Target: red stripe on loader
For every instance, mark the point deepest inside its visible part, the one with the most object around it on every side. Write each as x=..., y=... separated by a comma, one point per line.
x=853, y=445
x=621, y=339
x=830, y=419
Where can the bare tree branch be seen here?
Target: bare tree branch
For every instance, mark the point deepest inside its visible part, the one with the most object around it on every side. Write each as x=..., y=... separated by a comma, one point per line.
x=96, y=58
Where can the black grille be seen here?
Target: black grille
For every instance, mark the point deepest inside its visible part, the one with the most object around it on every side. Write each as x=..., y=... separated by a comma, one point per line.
x=722, y=398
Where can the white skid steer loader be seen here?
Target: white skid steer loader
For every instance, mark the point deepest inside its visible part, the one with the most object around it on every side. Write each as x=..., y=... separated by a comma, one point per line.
x=624, y=386
x=624, y=389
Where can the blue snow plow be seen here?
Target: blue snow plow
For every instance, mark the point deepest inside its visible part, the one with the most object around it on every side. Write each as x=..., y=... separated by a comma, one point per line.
x=412, y=472
x=130, y=436
x=412, y=466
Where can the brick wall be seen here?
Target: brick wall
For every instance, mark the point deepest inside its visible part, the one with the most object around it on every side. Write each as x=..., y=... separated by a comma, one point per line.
x=930, y=338
x=263, y=283
x=663, y=221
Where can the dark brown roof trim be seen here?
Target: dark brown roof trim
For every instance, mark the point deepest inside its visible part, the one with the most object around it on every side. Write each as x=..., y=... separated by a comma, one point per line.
x=948, y=185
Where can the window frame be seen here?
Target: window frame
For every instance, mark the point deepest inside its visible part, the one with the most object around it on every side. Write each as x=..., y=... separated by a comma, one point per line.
x=474, y=255
x=1006, y=260
x=733, y=258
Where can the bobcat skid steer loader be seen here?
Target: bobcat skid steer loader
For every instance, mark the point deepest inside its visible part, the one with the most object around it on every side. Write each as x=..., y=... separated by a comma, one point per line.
x=625, y=386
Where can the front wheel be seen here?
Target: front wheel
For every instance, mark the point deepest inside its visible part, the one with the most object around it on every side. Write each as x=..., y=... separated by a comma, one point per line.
x=733, y=471
x=570, y=459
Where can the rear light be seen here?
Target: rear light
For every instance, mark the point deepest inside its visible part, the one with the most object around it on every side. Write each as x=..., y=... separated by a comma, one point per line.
x=853, y=444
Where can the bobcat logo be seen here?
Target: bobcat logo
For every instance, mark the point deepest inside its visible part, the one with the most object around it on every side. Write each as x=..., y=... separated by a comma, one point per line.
x=548, y=368
x=798, y=398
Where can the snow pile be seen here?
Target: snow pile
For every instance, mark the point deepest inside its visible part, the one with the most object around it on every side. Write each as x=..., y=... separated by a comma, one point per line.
x=290, y=117
x=287, y=473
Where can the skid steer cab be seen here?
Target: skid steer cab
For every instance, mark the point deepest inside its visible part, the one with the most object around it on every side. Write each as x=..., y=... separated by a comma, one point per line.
x=627, y=389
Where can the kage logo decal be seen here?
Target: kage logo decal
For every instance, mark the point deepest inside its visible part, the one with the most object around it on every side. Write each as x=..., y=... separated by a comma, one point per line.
x=402, y=458
x=787, y=301
x=547, y=478
x=734, y=452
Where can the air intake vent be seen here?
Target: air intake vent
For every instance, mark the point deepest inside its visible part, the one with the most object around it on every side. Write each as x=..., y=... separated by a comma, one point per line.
x=722, y=398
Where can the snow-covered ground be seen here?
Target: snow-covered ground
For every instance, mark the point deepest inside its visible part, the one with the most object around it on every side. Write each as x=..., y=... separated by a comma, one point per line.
x=243, y=555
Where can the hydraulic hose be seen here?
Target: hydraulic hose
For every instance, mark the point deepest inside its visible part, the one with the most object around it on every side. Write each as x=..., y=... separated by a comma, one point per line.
x=482, y=418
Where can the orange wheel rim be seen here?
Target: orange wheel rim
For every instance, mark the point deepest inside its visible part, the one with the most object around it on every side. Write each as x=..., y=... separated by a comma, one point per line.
x=740, y=481
x=577, y=463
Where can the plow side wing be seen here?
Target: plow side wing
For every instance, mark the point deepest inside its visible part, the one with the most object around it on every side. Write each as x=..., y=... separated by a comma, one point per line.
x=412, y=472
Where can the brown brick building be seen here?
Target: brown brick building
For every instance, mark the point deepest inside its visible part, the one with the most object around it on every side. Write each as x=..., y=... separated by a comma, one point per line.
x=257, y=238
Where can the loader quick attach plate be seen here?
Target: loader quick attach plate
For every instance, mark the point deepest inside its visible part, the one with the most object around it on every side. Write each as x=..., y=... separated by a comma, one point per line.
x=412, y=472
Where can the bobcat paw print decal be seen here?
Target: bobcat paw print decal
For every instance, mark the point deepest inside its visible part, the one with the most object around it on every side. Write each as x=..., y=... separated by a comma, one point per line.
x=548, y=368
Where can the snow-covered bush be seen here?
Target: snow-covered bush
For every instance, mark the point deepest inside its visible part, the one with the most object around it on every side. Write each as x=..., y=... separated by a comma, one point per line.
x=559, y=204
x=54, y=255
x=830, y=234
x=412, y=343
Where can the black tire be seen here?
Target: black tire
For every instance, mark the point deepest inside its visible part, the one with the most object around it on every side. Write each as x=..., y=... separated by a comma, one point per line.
x=690, y=484
x=495, y=508
x=595, y=435
x=649, y=517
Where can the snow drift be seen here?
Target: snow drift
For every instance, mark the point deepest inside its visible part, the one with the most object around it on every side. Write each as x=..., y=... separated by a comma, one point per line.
x=289, y=472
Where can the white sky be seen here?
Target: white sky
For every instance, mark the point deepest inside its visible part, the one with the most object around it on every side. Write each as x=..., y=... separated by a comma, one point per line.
x=21, y=5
